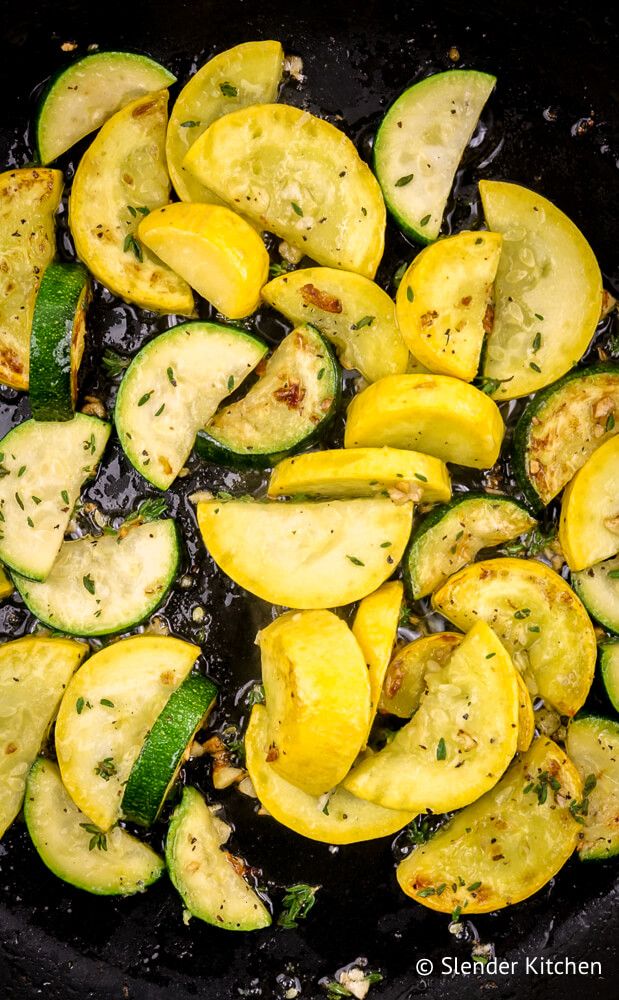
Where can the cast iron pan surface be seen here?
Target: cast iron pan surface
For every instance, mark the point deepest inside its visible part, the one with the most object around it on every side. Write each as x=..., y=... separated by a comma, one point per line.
x=551, y=125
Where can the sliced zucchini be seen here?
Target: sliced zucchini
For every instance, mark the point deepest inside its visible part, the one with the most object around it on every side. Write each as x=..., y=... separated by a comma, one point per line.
x=173, y=387
x=207, y=877
x=598, y=589
x=609, y=668
x=449, y=537
x=298, y=177
x=354, y=313
x=108, y=584
x=28, y=198
x=405, y=680
x=538, y=618
x=108, y=710
x=443, y=299
x=34, y=673
x=43, y=466
x=337, y=818
x=107, y=864
x=57, y=341
x=548, y=292
x=288, y=408
x=362, y=472
x=589, y=524
x=249, y=73
x=467, y=720
x=165, y=748
x=121, y=177
x=219, y=254
x=561, y=428
x=306, y=555
x=592, y=744
x=420, y=143
x=505, y=846
x=439, y=415
x=83, y=96
x=375, y=628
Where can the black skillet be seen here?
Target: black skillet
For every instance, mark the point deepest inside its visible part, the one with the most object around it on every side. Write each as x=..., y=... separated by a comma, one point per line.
x=552, y=125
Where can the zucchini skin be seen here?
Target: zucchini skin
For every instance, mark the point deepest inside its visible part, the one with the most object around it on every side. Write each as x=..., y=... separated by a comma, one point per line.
x=610, y=682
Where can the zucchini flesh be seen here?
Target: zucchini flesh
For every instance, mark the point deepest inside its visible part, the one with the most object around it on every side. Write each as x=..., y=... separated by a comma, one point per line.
x=299, y=177
x=43, y=467
x=468, y=713
x=340, y=818
x=504, y=847
x=106, y=864
x=354, y=313
x=560, y=429
x=173, y=387
x=34, y=673
x=449, y=537
x=404, y=682
x=420, y=143
x=609, y=668
x=57, y=341
x=312, y=555
x=162, y=755
x=103, y=585
x=249, y=73
x=207, y=877
x=83, y=96
x=107, y=711
x=589, y=524
x=288, y=408
x=28, y=199
x=592, y=745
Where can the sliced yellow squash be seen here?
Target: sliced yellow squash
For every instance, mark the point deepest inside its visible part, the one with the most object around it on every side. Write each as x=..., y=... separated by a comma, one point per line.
x=460, y=740
x=362, y=472
x=443, y=299
x=354, y=313
x=548, y=291
x=376, y=629
x=120, y=178
x=436, y=414
x=505, y=846
x=28, y=201
x=34, y=673
x=108, y=710
x=6, y=587
x=306, y=555
x=526, y=715
x=317, y=693
x=214, y=250
x=405, y=680
x=246, y=74
x=589, y=525
x=538, y=617
x=299, y=177
x=335, y=818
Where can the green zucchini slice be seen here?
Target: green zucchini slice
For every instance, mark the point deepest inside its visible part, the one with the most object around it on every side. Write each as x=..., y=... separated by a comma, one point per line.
x=420, y=143
x=450, y=536
x=173, y=387
x=106, y=864
x=561, y=428
x=208, y=878
x=609, y=668
x=598, y=589
x=43, y=466
x=592, y=743
x=34, y=673
x=161, y=757
x=286, y=410
x=57, y=341
x=103, y=585
x=84, y=95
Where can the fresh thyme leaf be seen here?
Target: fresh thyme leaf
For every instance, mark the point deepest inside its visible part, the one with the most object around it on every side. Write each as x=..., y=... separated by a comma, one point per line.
x=364, y=321
x=403, y=181
x=418, y=831
x=228, y=90
x=145, y=398
x=171, y=379
x=256, y=695
x=131, y=244
x=231, y=383
x=89, y=583
x=191, y=123
x=148, y=510
x=355, y=561
x=98, y=838
x=425, y=220
x=106, y=768
x=296, y=208
x=114, y=364
x=410, y=295
x=276, y=270
x=297, y=903
x=441, y=750
x=65, y=496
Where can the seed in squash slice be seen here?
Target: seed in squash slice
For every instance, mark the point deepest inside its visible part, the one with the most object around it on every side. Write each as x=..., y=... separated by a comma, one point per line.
x=504, y=847
x=459, y=741
x=404, y=682
x=317, y=693
x=589, y=526
x=442, y=302
x=306, y=555
x=376, y=629
x=214, y=250
x=335, y=818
